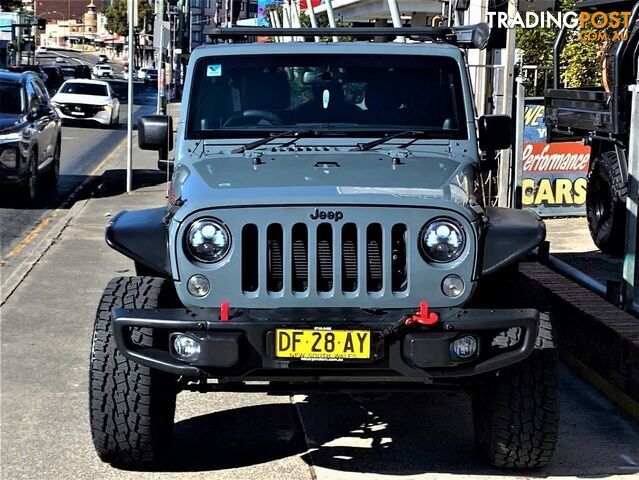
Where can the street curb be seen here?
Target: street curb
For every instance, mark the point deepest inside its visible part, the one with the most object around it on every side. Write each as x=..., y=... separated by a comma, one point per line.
x=37, y=252
x=616, y=396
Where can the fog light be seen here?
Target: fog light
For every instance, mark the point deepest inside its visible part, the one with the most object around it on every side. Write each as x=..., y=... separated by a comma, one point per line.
x=186, y=347
x=465, y=346
x=198, y=286
x=453, y=286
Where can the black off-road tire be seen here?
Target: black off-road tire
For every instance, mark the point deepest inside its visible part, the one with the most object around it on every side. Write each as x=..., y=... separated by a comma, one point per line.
x=132, y=407
x=31, y=182
x=516, y=411
x=606, y=204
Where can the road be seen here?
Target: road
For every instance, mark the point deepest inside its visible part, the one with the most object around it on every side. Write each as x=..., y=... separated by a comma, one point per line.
x=83, y=148
x=44, y=427
x=44, y=421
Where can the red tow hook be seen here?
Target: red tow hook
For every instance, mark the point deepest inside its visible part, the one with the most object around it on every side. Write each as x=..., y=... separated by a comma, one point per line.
x=423, y=316
x=224, y=311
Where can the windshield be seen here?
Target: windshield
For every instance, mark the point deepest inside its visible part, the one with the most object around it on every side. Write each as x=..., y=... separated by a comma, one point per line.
x=12, y=98
x=85, y=89
x=235, y=96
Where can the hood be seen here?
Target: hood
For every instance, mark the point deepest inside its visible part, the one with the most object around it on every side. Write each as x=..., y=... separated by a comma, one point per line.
x=9, y=121
x=76, y=98
x=336, y=178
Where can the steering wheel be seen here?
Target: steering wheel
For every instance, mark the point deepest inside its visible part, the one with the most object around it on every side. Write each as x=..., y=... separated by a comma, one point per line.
x=254, y=116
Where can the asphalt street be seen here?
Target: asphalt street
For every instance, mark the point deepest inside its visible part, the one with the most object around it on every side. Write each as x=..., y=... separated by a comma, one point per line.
x=84, y=147
x=44, y=426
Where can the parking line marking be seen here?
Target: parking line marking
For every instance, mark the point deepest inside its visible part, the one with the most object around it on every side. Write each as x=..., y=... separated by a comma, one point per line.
x=33, y=233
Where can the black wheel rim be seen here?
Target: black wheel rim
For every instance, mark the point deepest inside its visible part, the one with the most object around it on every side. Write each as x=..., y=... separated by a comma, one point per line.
x=33, y=177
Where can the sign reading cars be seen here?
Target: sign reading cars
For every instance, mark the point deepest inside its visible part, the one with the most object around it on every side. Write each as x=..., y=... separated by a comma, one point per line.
x=553, y=174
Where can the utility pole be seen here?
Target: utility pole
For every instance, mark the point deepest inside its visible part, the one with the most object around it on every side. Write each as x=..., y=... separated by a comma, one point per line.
x=160, y=106
x=129, y=120
x=507, y=158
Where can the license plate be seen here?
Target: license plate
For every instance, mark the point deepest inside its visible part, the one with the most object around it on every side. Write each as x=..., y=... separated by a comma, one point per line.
x=77, y=113
x=322, y=344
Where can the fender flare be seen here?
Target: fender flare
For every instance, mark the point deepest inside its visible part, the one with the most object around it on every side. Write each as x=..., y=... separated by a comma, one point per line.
x=509, y=235
x=143, y=237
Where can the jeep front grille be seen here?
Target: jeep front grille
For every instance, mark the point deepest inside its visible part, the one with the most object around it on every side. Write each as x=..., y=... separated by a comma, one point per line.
x=326, y=259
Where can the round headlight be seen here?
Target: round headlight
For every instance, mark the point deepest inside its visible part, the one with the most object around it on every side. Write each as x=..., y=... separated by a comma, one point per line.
x=442, y=240
x=208, y=240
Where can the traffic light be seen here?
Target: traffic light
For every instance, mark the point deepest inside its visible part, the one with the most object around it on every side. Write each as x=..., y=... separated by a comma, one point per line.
x=42, y=24
x=11, y=47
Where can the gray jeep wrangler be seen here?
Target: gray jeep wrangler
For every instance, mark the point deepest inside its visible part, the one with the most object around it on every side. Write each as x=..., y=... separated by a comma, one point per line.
x=326, y=231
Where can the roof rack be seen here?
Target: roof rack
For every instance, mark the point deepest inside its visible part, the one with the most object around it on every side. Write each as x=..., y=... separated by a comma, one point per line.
x=469, y=36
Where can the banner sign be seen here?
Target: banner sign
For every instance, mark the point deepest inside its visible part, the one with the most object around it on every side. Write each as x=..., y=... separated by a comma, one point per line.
x=553, y=174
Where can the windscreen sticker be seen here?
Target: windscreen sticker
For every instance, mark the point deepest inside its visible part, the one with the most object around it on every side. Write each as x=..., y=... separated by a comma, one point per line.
x=214, y=70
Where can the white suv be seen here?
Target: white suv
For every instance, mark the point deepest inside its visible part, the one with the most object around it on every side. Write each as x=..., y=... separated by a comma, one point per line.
x=100, y=71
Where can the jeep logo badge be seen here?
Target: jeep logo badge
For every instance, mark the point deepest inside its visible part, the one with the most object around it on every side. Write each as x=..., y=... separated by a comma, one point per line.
x=321, y=215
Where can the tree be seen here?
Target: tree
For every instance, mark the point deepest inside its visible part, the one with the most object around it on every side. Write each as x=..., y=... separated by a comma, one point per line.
x=10, y=5
x=580, y=60
x=117, y=16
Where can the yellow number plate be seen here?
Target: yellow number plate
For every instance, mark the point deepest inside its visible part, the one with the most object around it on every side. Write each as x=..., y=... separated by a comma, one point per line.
x=322, y=344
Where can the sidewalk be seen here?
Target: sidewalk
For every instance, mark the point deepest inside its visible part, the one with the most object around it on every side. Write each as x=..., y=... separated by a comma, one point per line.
x=46, y=331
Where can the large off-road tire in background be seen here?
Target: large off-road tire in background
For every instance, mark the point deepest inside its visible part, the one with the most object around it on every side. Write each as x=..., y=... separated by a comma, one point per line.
x=132, y=407
x=516, y=410
x=606, y=204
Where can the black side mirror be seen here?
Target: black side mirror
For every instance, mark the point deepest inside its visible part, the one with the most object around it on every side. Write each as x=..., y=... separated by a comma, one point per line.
x=155, y=132
x=495, y=132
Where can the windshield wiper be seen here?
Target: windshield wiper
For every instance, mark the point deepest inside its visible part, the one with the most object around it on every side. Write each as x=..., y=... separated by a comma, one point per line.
x=265, y=140
x=367, y=146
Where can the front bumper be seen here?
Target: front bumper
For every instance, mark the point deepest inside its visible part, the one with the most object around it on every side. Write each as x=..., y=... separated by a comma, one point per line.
x=242, y=348
x=103, y=117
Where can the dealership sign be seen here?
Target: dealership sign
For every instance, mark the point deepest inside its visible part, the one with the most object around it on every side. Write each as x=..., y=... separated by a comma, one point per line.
x=553, y=174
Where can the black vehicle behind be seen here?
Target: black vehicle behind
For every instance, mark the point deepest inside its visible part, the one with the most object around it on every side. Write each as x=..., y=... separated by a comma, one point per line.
x=82, y=71
x=600, y=116
x=151, y=77
x=55, y=78
x=30, y=135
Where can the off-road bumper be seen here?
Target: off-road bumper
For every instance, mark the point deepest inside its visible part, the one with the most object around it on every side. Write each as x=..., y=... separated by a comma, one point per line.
x=242, y=347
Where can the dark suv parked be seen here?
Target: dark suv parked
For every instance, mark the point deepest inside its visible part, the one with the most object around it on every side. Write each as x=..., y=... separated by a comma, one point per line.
x=30, y=134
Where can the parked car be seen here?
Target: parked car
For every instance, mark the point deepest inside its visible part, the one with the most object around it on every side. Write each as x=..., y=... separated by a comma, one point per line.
x=37, y=69
x=87, y=101
x=125, y=74
x=82, y=71
x=69, y=72
x=55, y=77
x=41, y=50
x=102, y=58
x=350, y=247
x=151, y=77
x=100, y=71
x=30, y=134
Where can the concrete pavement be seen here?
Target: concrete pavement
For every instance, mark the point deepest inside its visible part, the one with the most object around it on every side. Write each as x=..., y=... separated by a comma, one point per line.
x=45, y=332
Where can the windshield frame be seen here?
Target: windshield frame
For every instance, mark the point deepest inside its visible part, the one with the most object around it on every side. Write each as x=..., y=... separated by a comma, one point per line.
x=331, y=129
